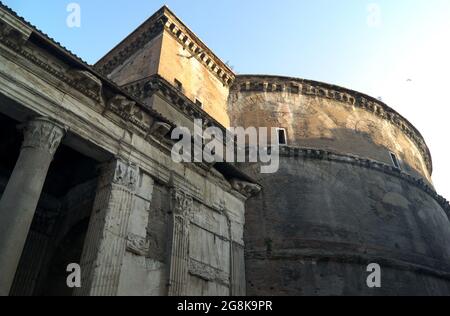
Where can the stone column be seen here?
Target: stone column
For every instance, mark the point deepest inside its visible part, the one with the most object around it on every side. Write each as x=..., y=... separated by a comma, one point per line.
x=106, y=239
x=182, y=205
x=21, y=196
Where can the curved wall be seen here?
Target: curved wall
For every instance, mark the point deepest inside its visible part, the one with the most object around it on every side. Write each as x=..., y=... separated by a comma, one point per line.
x=323, y=116
x=323, y=218
x=332, y=210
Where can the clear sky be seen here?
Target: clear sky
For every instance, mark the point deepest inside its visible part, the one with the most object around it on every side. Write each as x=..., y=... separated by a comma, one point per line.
x=398, y=50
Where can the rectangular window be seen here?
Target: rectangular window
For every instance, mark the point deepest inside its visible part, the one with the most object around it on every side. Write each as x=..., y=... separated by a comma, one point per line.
x=198, y=103
x=178, y=85
x=282, y=137
x=395, y=161
x=295, y=89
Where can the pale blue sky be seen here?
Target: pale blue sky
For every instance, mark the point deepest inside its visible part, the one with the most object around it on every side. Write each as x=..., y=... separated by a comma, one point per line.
x=324, y=40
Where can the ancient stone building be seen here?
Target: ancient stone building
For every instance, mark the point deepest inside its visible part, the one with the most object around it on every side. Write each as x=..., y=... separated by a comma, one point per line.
x=86, y=176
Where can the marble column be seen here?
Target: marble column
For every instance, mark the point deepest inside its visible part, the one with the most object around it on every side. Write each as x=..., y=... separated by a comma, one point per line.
x=18, y=204
x=106, y=239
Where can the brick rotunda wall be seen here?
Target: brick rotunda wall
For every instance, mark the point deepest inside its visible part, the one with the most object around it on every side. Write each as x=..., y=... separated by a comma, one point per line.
x=332, y=210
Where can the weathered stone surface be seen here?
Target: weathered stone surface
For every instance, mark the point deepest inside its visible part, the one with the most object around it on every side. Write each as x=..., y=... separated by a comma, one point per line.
x=162, y=228
x=319, y=223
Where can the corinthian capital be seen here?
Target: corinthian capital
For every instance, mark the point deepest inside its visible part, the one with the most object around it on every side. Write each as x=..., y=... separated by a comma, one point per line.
x=44, y=134
x=119, y=172
x=182, y=203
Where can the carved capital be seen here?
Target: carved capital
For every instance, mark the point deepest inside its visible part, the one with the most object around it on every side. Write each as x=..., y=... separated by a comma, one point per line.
x=182, y=203
x=126, y=174
x=245, y=188
x=43, y=134
x=120, y=173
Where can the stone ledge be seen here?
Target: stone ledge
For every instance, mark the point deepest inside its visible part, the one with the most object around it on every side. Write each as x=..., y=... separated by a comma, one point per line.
x=347, y=253
x=319, y=154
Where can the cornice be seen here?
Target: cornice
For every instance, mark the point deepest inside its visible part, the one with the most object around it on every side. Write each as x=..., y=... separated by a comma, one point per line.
x=198, y=49
x=145, y=88
x=132, y=44
x=165, y=20
x=324, y=155
x=277, y=84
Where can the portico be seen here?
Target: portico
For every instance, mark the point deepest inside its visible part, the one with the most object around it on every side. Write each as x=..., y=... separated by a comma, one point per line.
x=88, y=179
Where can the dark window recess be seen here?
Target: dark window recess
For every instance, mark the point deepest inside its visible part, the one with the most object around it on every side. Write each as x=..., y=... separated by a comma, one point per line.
x=295, y=89
x=395, y=161
x=198, y=103
x=282, y=139
x=178, y=85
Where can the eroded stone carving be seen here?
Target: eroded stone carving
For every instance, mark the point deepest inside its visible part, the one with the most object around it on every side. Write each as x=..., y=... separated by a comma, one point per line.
x=160, y=129
x=245, y=188
x=126, y=174
x=208, y=273
x=87, y=81
x=44, y=134
x=182, y=203
x=138, y=245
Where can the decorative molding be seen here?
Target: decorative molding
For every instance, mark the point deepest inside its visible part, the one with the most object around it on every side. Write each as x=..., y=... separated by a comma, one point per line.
x=245, y=188
x=43, y=134
x=350, y=254
x=129, y=111
x=87, y=82
x=318, y=154
x=13, y=30
x=147, y=87
x=199, y=51
x=66, y=76
x=274, y=84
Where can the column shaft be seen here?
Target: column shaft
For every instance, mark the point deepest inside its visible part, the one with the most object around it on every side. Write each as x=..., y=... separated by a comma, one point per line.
x=21, y=196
